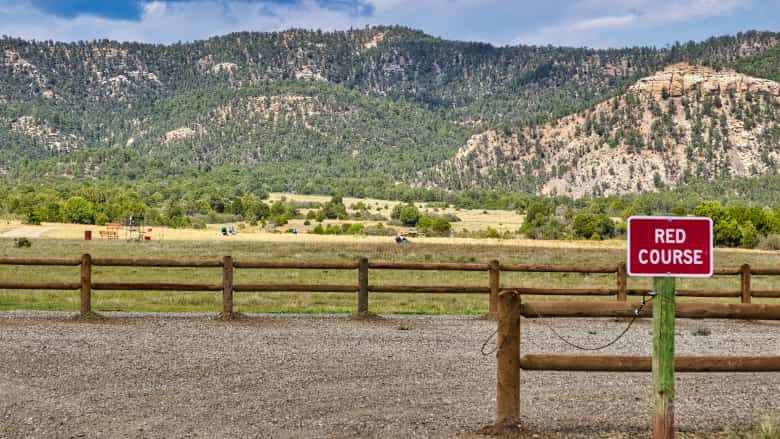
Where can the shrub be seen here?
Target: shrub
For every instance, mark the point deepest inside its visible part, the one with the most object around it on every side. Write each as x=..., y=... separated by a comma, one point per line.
x=492, y=233
x=595, y=226
x=80, y=211
x=22, y=243
x=33, y=217
x=749, y=235
x=355, y=229
x=198, y=223
x=441, y=227
x=408, y=214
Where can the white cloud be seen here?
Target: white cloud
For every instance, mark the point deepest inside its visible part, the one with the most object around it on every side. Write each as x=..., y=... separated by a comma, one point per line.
x=622, y=15
x=571, y=22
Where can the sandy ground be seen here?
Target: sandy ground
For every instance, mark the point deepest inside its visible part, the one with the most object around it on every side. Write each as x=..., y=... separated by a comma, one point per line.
x=186, y=375
x=25, y=232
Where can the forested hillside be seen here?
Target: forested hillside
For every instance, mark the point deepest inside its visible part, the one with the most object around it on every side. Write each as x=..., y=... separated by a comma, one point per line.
x=386, y=110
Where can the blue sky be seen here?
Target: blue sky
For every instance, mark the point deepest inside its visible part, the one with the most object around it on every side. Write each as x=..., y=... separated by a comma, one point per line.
x=593, y=23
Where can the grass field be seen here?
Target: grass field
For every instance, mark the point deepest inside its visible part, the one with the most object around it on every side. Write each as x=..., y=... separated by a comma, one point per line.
x=62, y=241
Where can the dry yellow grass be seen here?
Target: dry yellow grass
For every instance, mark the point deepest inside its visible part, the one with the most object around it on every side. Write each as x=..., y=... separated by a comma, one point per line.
x=76, y=232
x=471, y=219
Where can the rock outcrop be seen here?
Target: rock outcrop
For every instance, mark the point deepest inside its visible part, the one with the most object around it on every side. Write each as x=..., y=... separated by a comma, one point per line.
x=684, y=79
x=683, y=122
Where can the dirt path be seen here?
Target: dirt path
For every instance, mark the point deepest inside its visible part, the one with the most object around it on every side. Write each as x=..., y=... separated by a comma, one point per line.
x=185, y=375
x=25, y=232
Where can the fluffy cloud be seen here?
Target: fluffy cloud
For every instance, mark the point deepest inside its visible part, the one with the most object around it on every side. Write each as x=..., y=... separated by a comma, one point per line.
x=587, y=20
x=570, y=22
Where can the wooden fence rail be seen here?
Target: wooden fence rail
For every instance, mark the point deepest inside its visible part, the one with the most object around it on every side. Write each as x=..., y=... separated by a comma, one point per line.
x=362, y=287
x=510, y=361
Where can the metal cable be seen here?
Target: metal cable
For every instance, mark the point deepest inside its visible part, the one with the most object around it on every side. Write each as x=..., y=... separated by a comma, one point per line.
x=637, y=312
x=606, y=345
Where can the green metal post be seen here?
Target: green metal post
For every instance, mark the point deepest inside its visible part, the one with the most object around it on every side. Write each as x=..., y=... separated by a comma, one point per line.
x=663, y=358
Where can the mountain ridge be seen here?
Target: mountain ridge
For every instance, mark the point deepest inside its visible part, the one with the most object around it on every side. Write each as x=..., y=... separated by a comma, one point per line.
x=387, y=102
x=683, y=122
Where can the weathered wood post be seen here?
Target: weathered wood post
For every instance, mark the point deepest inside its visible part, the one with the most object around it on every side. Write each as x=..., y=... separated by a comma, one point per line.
x=663, y=358
x=745, y=282
x=622, y=282
x=508, y=362
x=495, y=286
x=227, y=287
x=85, y=307
x=362, y=305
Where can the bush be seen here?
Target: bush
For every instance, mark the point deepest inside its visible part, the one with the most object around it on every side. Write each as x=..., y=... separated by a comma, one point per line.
x=198, y=223
x=80, y=211
x=355, y=229
x=594, y=226
x=492, y=233
x=33, y=218
x=441, y=227
x=22, y=243
x=408, y=214
x=749, y=235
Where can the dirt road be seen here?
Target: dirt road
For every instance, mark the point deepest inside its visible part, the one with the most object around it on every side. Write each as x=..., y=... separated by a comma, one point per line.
x=186, y=375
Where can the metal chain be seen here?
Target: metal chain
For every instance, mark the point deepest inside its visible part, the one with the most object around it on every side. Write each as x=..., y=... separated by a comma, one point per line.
x=637, y=312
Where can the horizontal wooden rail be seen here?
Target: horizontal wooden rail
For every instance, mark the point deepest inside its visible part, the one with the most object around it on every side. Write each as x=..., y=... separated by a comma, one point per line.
x=297, y=265
x=65, y=262
x=563, y=291
x=40, y=285
x=112, y=262
x=442, y=266
x=428, y=289
x=690, y=293
x=726, y=271
x=749, y=311
x=559, y=268
x=765, y=293
x=765, y=271
x=303, y=288
x=150, y=286
x=626, y=363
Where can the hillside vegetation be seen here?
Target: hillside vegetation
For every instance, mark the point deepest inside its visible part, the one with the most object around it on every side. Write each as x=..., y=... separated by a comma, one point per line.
x=206, y=128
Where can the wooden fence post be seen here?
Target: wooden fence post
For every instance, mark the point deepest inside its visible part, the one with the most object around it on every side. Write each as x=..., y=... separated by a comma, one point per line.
x=85, y=307
x=362, y=305
x=745, y=284
x=227, y=287
x=508, y=362
x=622, y=282
x=495, y=286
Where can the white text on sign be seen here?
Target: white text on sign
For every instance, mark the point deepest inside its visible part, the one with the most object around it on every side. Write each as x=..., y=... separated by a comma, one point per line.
x=670, y=256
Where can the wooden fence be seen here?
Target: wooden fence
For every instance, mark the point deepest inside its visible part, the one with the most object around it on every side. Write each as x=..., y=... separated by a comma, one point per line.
x=510, y=361
x=504, y=303
x=362, y=287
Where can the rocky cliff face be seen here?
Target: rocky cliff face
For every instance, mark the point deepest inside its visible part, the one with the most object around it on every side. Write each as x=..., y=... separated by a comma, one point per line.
x=683, y=79
x=682, y=122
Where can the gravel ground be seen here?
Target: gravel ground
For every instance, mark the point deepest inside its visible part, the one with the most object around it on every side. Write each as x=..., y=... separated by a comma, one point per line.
x=186, y=375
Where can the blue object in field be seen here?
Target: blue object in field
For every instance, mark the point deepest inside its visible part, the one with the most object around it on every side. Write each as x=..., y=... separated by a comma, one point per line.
x=224, y=231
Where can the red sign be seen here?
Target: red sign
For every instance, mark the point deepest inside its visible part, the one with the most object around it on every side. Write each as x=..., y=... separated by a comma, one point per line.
x=669, y=246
